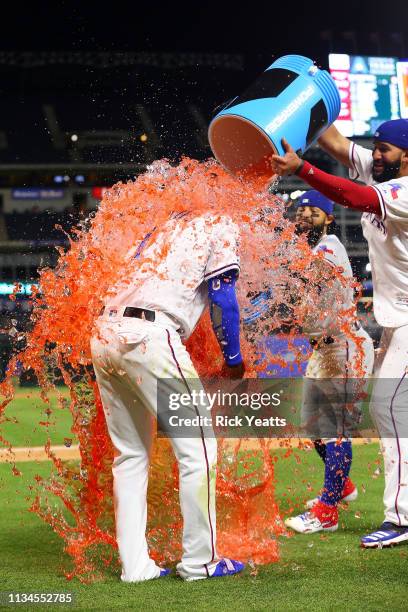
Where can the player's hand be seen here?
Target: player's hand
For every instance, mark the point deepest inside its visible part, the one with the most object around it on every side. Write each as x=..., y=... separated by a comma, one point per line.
x=235, y=372
x=288, y=163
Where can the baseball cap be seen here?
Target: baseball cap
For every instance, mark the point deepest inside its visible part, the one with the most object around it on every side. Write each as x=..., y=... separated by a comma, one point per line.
x=316, y=199
x=394, y=132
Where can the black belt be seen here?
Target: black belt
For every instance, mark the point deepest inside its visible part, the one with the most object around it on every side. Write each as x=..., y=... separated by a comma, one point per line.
x=139, y=313
x=136, y=313
x=329, y=339
x=325, y=340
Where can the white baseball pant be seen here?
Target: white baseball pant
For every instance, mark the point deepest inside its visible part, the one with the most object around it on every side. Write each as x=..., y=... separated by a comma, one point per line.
x=129, y=355
x=389, y=409
x=332, y=382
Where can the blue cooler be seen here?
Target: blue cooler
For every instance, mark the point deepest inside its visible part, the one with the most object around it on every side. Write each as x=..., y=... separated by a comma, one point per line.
x=292, y=99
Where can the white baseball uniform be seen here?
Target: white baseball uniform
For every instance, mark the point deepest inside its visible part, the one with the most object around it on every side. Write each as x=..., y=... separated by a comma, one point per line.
x=131, y=354
x=338, y=358
x=387, y=237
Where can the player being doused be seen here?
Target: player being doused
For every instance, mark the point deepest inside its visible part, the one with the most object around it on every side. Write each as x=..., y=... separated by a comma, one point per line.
x=138, y=352
x=342, y=358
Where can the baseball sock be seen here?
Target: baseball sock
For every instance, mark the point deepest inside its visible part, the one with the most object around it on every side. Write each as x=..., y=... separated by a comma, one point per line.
x=337, y=468
x=348, y=458
x=320, y=447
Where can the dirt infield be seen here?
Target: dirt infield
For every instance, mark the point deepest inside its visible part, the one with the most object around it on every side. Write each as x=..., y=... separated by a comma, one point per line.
x=38, y=453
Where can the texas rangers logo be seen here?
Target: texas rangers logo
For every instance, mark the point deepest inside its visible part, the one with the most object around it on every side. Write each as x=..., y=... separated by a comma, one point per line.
x=394, y=190
x=325, y=249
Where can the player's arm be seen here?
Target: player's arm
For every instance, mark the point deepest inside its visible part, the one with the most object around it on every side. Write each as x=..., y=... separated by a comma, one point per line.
x=336, y=145
x=340, y=190
x=224, y=311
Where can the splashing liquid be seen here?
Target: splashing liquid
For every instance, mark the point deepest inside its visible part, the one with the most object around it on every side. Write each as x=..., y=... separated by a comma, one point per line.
x=77, y=499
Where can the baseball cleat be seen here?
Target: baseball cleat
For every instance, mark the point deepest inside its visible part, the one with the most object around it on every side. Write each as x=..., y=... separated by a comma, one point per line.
x=309, y=523
x=227, y=567
x=387, y=535
x=350, y=493
x=320, y=518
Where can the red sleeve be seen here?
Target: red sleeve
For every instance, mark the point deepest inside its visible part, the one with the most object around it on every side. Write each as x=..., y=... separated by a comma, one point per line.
x=341, y=190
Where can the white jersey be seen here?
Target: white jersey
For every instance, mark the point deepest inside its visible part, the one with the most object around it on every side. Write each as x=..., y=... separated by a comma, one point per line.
x=335, y=301
x=171, y=277
x=387, y=237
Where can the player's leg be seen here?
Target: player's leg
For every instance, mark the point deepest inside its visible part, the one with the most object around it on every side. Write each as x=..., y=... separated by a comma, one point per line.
x=337, y=469
x=310, y=415
x=165, y=357
x=323, y=408
x=389, y=409
x=130, y=428
x=338, y=456
x=309, y=410
x=353, y=359
x=313, y=406
x=316, y=408
x=197, y=459
x=340, y=420
x=320, y=448
x=344, y=395
x=349, y=493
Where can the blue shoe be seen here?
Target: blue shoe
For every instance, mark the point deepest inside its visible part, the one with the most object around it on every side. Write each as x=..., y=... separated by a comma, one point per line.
x=227, y=567
x=164, y=572
x=387, y=535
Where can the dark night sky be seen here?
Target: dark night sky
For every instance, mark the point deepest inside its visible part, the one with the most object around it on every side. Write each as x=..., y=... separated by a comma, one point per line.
x=250, y=27
x=98, y=96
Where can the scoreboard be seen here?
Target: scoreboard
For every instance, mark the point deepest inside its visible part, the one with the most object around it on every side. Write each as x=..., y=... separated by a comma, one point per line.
x=370, y=91
x=402, y=74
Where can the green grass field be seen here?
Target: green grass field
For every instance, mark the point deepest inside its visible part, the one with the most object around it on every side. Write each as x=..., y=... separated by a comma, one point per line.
x=324, y=572
x=29, y=411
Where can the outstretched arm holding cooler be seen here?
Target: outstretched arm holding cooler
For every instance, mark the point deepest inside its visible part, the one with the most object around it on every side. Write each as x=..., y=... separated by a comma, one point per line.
x=340, y=190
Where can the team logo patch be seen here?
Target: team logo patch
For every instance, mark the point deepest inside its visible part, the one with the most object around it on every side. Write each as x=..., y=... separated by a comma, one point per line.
x=394, y=190
x=325, y=249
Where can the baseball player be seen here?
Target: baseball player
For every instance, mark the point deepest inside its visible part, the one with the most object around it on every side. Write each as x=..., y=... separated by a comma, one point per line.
x=383, y=200
x=337, y=359
x=190, y=263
